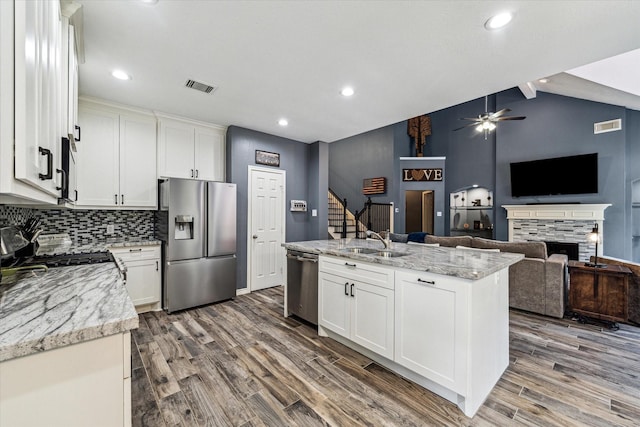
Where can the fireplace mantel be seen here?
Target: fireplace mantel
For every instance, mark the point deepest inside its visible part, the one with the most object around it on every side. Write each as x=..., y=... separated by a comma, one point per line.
x=576, y=212
x=562, y=223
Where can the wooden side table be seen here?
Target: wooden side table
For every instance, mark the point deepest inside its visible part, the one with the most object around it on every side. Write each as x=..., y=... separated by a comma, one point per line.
x=600, y=293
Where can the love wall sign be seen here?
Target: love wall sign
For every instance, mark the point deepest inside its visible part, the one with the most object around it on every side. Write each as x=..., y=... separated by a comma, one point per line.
x=434, y=174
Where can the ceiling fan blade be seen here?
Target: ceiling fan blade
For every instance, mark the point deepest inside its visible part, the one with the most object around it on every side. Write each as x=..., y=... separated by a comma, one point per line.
x=499, y=119
x=499, y=113
x=472, y=119
x=466, y=126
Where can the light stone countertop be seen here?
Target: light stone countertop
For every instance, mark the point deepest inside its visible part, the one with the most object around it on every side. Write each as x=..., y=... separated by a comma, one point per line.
x=463, y=263
x=97, y=246
x=63, y=306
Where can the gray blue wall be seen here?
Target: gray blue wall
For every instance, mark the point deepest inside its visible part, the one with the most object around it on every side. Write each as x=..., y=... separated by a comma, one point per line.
x=303, y=163
x=555, y=126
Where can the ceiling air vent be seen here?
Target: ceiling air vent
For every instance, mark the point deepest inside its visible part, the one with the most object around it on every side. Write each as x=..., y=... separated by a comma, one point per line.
x=202, y=87
x=608, y=126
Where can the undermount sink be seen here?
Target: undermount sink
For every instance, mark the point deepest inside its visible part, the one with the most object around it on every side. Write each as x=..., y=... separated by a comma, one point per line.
x=390, y=254
x=360, y=250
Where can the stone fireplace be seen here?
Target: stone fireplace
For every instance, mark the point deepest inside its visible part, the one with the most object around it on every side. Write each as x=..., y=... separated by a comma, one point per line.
x=567, y=223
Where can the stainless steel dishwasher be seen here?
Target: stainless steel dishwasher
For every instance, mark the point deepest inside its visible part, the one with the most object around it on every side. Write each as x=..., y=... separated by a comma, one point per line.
x=302, y=285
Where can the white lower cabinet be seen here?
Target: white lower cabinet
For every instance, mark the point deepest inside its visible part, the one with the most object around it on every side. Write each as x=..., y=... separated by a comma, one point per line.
x=143, y=277
x=448, y=334
x=356, y=301
x=430, y=329
x=85, y=384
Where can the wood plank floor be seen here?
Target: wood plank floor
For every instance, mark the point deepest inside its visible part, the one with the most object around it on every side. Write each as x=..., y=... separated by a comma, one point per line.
x=241, y=363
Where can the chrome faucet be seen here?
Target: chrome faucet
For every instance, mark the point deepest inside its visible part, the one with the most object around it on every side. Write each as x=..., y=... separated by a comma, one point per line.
x=377, y=236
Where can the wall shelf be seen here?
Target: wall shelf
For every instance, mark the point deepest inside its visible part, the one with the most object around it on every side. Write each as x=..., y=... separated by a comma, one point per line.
x=471, y=212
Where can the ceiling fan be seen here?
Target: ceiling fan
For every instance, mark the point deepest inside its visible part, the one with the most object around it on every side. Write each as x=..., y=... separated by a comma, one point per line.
x=487, y=121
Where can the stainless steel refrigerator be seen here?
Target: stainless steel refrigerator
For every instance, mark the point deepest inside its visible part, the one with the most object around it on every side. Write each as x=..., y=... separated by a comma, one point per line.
x=197, y=225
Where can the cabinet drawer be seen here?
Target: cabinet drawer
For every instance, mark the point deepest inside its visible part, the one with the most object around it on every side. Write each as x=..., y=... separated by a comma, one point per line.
x=357, y=270
x=135, y=253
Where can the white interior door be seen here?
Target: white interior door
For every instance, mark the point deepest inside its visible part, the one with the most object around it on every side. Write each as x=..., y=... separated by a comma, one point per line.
x=266, y=228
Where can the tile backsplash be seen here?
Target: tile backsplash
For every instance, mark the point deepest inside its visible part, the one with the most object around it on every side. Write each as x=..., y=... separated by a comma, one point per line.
x=84, y=226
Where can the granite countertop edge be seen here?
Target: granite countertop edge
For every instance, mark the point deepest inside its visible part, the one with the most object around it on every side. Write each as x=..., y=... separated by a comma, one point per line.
x=51, y=342
x=461, y=263
x=62, y=307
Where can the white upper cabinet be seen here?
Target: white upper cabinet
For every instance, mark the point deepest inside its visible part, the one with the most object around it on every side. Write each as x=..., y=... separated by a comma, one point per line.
x=116, y=158
x=37, y=77
x=69, y=80
x=190, y=150
x=37, y=98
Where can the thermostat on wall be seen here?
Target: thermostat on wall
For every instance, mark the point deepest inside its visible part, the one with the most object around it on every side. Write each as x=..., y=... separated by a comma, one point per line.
x=298, y=206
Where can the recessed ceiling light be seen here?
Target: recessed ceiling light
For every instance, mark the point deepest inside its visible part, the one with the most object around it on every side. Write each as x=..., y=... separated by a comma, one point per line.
x=347, y=91
x=543, y=80
x=149, y=1
x=498, y=21
x=283, y=122
x=120, y=75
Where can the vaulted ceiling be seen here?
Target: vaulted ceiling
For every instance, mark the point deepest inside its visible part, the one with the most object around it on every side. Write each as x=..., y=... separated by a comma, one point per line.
x=289, y=59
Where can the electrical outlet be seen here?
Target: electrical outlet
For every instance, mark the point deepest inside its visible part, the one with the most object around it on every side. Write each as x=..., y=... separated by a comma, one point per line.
x=110, y=229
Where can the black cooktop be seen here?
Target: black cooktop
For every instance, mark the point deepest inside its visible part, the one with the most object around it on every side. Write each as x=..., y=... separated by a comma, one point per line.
x=63, y=260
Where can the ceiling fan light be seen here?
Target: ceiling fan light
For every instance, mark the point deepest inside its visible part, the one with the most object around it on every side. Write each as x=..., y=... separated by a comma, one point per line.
x=479, y=128
x=491, y=126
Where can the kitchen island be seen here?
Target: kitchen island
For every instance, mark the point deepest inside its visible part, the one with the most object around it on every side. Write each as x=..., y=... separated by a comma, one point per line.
x=65, y=348
x=437, y=316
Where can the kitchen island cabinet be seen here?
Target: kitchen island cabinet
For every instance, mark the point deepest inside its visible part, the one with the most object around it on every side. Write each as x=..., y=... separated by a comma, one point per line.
x=448, y=317
x=356, y=301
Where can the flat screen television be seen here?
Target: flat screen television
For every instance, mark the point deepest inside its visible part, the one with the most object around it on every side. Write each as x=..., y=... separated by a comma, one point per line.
x=554, y=176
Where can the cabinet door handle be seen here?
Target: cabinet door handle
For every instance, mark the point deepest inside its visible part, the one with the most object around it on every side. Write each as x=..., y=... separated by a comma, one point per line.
x=196, y=173
x=116, y=198
x=122, y=199
x=76, y=195
x=49, y=154
x=79, y=133
x=157, y=266
x=428, y=282
x=192, y=174
x=349, y=265
x=135, y=250
x=346, y=292
x=65, y=180
x=352, y=289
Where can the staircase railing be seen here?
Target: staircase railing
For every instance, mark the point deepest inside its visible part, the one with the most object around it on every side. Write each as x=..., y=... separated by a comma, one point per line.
x=332, y=215
x=374, y=216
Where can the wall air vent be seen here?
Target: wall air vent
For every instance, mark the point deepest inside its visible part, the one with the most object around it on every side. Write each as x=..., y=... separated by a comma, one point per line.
x=608, y=126
x=202, y=87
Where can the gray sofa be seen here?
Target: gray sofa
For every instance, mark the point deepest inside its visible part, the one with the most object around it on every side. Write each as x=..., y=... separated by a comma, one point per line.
x=536, y=284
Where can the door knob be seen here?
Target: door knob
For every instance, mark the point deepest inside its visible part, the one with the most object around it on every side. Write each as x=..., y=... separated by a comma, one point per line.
x=255, y=236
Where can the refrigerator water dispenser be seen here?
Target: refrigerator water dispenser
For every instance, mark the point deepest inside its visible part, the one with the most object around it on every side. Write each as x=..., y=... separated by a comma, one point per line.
x=184, y=227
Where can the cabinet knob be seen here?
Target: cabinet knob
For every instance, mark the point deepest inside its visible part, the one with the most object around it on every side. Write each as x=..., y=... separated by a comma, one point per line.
x=255, y=236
